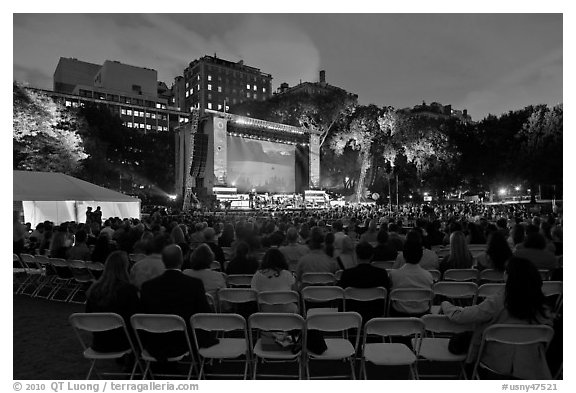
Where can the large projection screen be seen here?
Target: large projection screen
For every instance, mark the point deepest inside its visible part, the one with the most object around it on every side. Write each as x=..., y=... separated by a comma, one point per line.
x=261, y=165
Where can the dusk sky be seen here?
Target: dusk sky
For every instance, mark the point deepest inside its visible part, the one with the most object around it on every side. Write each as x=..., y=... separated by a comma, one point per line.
x=486, y=63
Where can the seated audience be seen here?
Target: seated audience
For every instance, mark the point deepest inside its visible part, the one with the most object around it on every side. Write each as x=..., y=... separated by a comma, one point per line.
x=242, y=262
x=534, y=249
x=150, y=266
x=521, y=302
x=112, y=292
x=497, y=253
x=200, y=260
x=347, y=258
x=316, y=260
x=460, y=256
x=80, y=250
x=383, y=250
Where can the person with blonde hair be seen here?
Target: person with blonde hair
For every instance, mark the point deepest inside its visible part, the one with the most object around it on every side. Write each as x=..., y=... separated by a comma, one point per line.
x=347, y=257
x=460, y=256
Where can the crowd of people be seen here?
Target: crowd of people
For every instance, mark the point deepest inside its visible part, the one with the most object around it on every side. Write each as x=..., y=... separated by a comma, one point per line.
x=172, y=257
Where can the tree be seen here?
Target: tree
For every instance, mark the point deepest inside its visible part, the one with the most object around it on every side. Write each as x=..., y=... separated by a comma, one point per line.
x=45, y=134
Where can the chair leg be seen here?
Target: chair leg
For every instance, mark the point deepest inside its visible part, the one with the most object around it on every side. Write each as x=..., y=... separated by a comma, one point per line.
x=91, y=369
x=352, y=366
x=255, y=367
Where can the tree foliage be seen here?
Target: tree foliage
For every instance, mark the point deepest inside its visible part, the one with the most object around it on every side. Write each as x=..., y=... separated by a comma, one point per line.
x=46, y=135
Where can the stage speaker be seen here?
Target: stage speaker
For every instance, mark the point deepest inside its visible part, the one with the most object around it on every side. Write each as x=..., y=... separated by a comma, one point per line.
x=199, y=155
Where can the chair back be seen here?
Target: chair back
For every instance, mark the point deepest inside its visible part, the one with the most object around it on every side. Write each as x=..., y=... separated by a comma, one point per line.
x=29, y=262
x=16, y=263
x=320, y=278
x=61, y=268
x=386, y=327
x=334, y=321
x=218, y=322
x=383, y=264
x=544, y=274
x=461, y=275
x=239, y=280
x=491, y=275
x=275, y=322
x=442, y=324
x=456, y=289
x=80, y=271
x=215, y=265
x=489, y=290
x=237, y=295
x=365, y=294
x=158, y=323
x=551, y=288
x=95, y=268
x=277, y=299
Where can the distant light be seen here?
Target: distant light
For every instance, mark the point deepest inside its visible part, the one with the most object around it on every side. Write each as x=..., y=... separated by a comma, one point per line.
x=502, y=191
x=517, y=188
x=410, y=196
x=172, y=197
x=425, y=194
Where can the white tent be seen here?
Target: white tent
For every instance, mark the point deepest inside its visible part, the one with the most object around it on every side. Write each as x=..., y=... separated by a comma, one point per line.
x=58, y=198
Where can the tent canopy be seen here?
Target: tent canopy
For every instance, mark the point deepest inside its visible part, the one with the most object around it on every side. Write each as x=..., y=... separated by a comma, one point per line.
x=50, y=186
x=58, y=198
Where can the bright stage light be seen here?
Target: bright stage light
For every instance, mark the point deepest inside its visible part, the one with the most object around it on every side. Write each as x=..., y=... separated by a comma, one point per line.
x=172, y=197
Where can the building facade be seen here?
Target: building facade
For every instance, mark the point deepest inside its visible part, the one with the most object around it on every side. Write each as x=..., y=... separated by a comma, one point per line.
x=133, y=93
x=215, y=84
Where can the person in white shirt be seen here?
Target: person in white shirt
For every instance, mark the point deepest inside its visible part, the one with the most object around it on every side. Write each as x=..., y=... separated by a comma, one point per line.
x=274, y=275
x=200, y=260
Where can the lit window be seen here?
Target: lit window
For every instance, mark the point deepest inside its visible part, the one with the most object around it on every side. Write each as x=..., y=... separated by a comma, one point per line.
x=209, y=105
x=157, y=105
x=219, y=107
x=209, y=87
x=148, y=127
x=187, y=94
x=129, y=112
x=185, y=120
x=129, y=124
x=153, y=115
x=142, y=125
x=148, y=114
x=248, y=87
x=187, y=84
x=263, y=90
x=209, y=77
x=227, y=108
x=198, y=77
x=191, y=91
x=248, y=95
x=159, y=128
x=219, y=89
x=165, y=128
x=255, y=88
x=68, y=103
x=123, y=111
x=198, y=88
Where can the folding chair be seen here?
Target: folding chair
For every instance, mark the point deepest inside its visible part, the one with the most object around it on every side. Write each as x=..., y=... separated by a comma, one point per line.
x=158, y=324
x=95, y=268
x=462, y=293
x=133, y=258
x=264, y=350
x=239, y=280
x=461, y=275
x=46, y=282
x=320, y=278
x=491, y=276
x=389, y=353
x=278, y=301
x=228, y=348
x=63, y=279
x=33, y=272
x=383, y=264
x=19, y=275
x=544, y=274
x=489, y=290
x=362, y=296
x=211, y=302
x=338, y=348
x=338, y=275
x=553, y=291
x=237, y=300
x=82, y=277
x=102, y=322
x=323, y=295
x=410, y=296
x=434, y=346
x=436, y=275
x=514, y=335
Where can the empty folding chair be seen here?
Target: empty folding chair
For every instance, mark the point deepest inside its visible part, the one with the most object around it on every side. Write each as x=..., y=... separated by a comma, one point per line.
x=34, y=274
x=461, y=275
x=383, y=264
x=434, y=346
x=320, y=278
x=82, y=277
x=491, y=276
x=544, y=274
x=489, y=290
x=239, y=280
x=241, y=301
x=215, y=265
x=553, y=291
x=515, y=336
x=62, y=281
x=264, y=329
x=159, y=324
x=461, y=293
x=47, y=281
x=19, y=275
x=403, y=299
x=338, y=275
x=368, y=302
x=391, y=353
x=229, y=348
x=316, y=298
x=96, y=323
x=338, y=348
x=279, y=301
x=96, y=269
